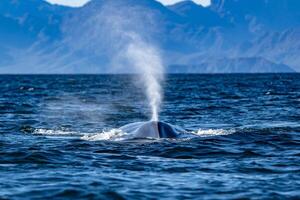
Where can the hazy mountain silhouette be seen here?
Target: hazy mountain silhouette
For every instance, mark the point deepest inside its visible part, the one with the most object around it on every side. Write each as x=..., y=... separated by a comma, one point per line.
x=229, y=36
x=197, y=15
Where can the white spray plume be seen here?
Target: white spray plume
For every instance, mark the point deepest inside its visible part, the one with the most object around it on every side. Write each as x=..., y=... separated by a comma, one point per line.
x=147, y=63
x=134, y=49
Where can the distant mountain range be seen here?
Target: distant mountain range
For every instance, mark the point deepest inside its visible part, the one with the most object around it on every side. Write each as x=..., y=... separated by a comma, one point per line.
x=229, y=36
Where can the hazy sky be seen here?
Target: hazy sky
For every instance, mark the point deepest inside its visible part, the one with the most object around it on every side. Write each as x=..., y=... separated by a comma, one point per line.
x=81, y=2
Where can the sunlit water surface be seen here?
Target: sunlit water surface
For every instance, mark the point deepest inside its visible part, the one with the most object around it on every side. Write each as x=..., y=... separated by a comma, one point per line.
x=59, y=138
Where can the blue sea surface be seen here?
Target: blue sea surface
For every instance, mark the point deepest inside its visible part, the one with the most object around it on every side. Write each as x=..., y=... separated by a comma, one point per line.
x=56, y=138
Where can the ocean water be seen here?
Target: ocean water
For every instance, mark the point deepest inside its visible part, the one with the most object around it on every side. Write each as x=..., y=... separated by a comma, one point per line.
x=59, y=138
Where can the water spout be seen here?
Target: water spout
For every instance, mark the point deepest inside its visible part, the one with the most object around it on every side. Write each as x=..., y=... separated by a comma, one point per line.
x=147, y=62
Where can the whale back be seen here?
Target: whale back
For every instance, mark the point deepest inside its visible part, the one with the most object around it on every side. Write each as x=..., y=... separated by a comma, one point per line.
x=150, y=129
x=166, y=131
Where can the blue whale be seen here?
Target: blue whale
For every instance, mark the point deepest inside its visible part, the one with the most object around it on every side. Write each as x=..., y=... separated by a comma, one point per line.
x=151, y=129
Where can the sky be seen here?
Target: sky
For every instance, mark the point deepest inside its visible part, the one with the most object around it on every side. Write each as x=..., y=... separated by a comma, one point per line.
x=82, y=2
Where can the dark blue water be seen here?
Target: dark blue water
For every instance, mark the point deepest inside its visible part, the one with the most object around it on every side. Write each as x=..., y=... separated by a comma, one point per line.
x=247, y=144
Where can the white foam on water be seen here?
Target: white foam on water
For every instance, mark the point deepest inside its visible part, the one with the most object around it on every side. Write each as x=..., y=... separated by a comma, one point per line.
x=212, y=132
x=121, y=135
x=42, y=131
x=113, y=134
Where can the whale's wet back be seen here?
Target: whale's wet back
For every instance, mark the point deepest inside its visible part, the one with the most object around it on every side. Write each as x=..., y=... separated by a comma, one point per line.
x=151, y=129
x=166, y=131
